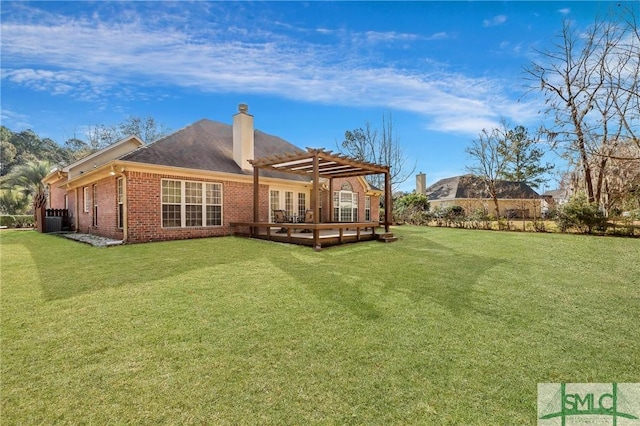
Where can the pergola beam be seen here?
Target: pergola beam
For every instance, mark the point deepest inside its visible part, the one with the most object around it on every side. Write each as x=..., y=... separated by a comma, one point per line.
x=304, y=161
x=316, y=164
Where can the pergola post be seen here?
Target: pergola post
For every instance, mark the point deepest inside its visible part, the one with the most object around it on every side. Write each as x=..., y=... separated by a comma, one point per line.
x=387, y=200
x=256, y=198
x=314, y=200
x=330, y=199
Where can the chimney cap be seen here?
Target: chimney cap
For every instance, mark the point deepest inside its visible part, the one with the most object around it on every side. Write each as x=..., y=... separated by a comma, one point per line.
x=243, y=108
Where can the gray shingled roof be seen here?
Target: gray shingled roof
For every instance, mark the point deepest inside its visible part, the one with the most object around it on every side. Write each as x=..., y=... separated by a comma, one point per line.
x=469, y=186
x=208, y=145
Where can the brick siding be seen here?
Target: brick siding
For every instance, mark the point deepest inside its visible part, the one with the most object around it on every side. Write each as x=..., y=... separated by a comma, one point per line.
x=145, y=208
x=107, y=219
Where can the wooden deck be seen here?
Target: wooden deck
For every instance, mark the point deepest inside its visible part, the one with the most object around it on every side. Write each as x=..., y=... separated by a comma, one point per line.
x=316, y=235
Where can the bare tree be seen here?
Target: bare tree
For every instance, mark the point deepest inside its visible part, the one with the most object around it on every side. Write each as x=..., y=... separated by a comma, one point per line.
x=379, y=147
x=620, y=186
x=490, y=160
x=145, y=128
x=589, y=80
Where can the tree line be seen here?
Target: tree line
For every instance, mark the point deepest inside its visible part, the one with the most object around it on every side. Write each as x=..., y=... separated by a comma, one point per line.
x=589, y=82
x=26, y=158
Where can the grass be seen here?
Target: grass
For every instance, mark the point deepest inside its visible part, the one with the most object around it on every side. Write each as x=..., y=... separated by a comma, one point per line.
x=444, y=326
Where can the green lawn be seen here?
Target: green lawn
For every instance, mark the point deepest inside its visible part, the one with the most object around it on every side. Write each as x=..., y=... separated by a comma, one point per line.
x=444, y=326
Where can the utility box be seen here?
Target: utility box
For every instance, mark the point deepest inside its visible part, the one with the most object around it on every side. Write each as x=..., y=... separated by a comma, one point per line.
x=52, y=224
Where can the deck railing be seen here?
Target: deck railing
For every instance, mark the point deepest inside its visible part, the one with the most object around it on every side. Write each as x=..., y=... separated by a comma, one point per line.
x=316, y=235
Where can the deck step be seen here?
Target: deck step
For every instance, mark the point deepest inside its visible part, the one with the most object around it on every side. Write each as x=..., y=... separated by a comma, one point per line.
x=387, y=237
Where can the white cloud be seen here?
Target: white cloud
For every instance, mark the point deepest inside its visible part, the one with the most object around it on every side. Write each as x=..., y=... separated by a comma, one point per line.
x=438, y=36
x=496, y=20
x=564, y=11
x=389, y=36
x=91, y=59
x=14, y=120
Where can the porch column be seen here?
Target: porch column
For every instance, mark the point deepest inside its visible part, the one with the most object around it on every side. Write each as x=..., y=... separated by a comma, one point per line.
x=387, y=201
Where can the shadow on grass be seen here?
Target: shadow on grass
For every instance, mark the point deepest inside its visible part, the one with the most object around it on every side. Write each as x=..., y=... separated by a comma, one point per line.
x=440, y=274
x=68, y=268
x=359, y=277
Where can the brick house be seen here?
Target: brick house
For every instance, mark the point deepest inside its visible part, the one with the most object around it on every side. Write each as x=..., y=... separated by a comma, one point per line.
x=194, y=183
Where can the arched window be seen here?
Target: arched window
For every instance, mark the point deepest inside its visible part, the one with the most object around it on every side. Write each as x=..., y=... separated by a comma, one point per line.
x=345, y=204
x=346, y=186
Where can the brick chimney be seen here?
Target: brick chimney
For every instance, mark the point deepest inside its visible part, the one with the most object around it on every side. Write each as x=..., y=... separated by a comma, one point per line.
x=421, y=183
x=243, y=137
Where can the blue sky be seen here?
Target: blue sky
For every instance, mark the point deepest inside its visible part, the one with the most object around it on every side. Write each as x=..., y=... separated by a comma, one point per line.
x=308, y=70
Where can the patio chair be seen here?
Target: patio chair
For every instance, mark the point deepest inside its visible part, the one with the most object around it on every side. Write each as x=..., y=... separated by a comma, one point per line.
x=308, y=218
x=279, y=216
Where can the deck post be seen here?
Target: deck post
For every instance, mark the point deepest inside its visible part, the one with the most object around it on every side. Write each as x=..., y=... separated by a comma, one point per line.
x=330, y=199
x=387, y=201
x=256, y=199
x=314, y=200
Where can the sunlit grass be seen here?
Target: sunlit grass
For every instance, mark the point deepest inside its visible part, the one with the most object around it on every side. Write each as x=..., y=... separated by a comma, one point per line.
x=442, y=326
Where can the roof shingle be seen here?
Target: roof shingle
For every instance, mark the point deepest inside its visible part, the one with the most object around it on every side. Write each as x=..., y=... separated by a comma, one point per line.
x=469, y=186
x=208, y=145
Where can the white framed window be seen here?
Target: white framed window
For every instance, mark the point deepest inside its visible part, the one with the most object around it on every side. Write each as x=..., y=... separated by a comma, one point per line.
x=120, y=196
x=274, y=202
x=213, y=204
x=345, y=206
x=171, y=203
x=85, y=198
x=191, y=204
x=367, y=208
x=302, y=203
x=288, y=202
x=294, y=203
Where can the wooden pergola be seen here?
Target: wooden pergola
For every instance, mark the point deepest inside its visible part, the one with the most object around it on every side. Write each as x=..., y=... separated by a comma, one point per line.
x=317, y=164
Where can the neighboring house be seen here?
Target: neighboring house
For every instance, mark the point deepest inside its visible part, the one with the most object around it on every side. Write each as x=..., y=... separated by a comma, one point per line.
x=554, y=198
x=515, y=199
x=194, y=183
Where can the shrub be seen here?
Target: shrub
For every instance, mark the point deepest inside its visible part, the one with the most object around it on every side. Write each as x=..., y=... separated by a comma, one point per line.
x=479, y=219
x=7, y=220
x=17, y=221
x=412, y=208
x=580, y=214
x=538, y=225
x=24, y=221
x=455, y=216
